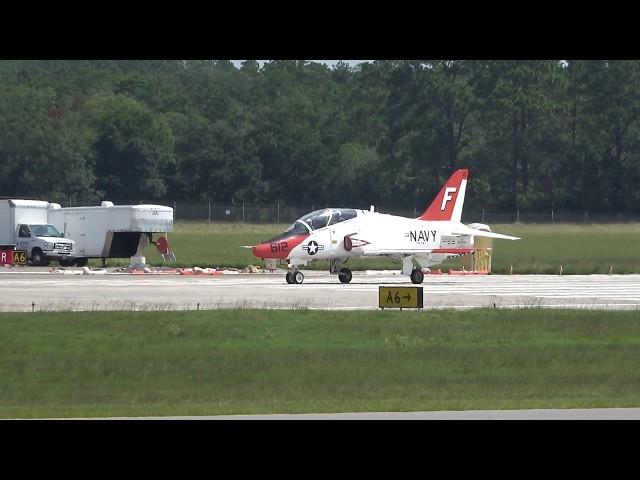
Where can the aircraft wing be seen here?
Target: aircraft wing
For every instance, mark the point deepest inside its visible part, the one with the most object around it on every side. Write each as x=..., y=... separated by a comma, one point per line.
x=464, y=230
x=417, y=251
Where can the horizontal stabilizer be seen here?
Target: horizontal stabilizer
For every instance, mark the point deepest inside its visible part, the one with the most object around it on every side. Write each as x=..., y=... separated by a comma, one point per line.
x=464, y=230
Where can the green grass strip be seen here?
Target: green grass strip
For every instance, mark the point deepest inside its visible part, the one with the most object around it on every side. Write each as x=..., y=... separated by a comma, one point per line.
x=77, y=364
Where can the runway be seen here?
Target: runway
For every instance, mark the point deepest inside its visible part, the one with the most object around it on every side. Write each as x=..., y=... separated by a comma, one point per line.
x=39, y=290
x=532, y=414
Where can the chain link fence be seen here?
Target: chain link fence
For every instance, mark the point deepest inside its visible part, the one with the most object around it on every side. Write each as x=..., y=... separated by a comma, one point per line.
x=277, y=213
x=285, y=214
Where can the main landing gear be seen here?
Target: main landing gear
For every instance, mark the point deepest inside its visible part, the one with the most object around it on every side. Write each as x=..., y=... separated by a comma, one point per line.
x=295, y=276
x=412, y=270
x=344, y=275
x=336, y=267
x=417, y=276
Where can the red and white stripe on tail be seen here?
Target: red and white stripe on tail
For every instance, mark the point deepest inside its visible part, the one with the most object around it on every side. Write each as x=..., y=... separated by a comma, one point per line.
x=448, y=203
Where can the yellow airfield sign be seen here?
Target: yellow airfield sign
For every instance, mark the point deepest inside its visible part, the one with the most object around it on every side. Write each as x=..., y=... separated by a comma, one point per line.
x=19, y=257
x=400, y=297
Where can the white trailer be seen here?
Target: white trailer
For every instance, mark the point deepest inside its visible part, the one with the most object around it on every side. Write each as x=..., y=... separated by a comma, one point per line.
x=111, y=231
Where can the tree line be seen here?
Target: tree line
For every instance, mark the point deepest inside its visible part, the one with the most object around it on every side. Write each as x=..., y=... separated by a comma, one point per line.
x=535, y=134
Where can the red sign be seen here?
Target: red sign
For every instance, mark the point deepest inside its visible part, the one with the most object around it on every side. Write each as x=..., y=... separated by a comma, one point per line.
x=162, y=245
x=6, y=256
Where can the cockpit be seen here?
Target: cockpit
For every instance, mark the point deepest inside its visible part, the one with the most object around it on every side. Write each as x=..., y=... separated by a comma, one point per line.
x=324, y=218
x=316, y=220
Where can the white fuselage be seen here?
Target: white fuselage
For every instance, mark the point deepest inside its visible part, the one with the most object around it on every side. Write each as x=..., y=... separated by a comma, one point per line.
x=375, y=234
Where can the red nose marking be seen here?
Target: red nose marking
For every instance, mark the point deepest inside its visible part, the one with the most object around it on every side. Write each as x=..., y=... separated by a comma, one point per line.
x=280, y=248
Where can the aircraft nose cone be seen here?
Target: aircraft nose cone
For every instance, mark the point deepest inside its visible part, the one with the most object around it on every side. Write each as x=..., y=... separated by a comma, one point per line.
x=280, y=247
x=261, y=251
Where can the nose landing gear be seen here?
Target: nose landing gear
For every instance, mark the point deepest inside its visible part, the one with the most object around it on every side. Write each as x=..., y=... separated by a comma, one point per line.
x=295, y=276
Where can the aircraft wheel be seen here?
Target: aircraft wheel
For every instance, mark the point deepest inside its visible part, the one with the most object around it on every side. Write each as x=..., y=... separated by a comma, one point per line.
x=298, y=277
x=289, y=277
x=417, y=276
x=345, y=275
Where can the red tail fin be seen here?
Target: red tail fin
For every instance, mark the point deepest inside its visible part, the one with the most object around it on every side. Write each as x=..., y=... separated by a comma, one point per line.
x=448, y=203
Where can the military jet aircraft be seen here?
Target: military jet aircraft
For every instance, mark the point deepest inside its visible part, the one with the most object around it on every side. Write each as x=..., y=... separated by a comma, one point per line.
x=338, y=234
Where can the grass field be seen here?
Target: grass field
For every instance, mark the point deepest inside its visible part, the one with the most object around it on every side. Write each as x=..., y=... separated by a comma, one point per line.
x=249, y=361
x=581, y=249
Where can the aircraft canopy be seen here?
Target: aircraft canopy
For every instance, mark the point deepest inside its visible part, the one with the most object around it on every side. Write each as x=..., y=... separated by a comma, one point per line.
x=316, y=220
x=328, y=216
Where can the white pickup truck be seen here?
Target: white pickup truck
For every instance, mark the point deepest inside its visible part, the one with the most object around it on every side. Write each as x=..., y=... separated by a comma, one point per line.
x=24, y=225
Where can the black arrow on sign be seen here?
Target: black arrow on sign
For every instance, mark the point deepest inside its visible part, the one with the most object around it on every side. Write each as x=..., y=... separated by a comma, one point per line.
x=407, y=297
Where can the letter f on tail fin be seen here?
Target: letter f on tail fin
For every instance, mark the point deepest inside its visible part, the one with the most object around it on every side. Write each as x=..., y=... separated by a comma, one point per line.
x=448, y=203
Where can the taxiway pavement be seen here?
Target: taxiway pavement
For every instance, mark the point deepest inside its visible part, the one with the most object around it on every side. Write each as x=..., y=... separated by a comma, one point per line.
x=26, y=290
